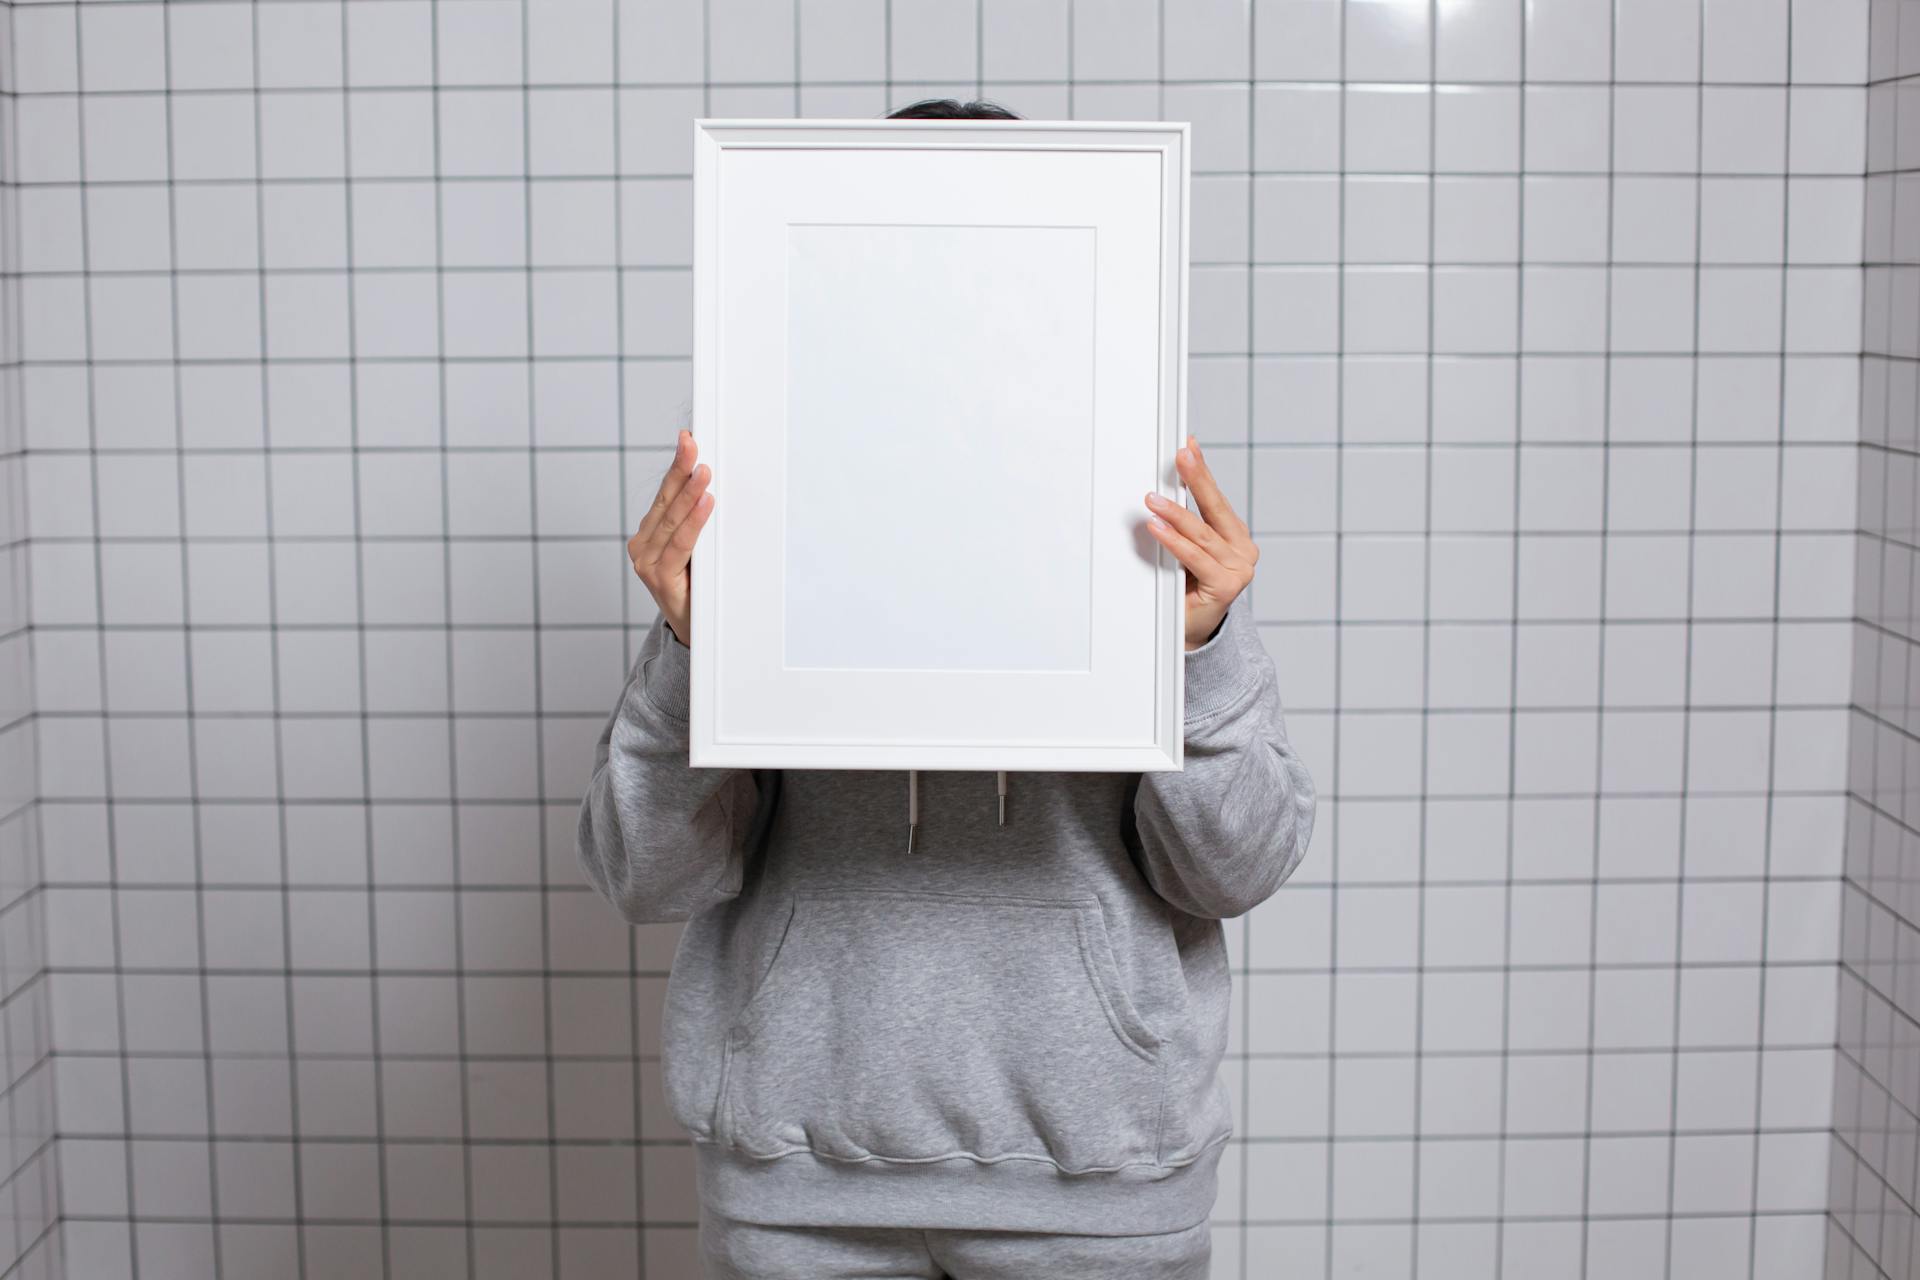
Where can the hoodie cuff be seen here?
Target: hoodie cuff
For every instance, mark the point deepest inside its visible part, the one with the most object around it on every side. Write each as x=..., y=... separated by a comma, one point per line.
x=667, y=673
x=1221, y=671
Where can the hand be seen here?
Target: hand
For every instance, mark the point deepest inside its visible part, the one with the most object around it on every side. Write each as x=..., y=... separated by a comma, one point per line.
x=663, y=548
x=1214, y=545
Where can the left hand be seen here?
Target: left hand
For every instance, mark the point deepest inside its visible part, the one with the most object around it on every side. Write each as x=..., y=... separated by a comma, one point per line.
x=1213, y=544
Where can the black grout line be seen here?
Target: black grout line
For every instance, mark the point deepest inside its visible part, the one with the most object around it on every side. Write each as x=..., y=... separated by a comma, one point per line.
x=1426, y=651
x=212, y=1138
x=539, y=702
x=1600, y=662
x=1001, y=83
x=1322, y=173
x=457, y=870
x=379, y=1135
x=1323, y=264
x=1328, y=1239
x=1359, y=358
x=1774, y=635
x=106, y=720
x=627, y=653
x=1680, y=965
x=1523, y=8
x=273, y=655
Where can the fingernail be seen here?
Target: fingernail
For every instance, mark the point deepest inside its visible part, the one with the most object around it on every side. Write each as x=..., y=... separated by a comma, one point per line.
x=1155, y=500
x=1157, y=522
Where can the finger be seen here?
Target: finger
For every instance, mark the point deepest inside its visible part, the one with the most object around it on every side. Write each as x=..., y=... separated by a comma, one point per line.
x=679, y=488
x=1212, y=502
x=679, y=472
x=1198, y=477
x=1207, y=571
x=644, y=547
x=657, y=548
x=679, y=548
x=1187, y=522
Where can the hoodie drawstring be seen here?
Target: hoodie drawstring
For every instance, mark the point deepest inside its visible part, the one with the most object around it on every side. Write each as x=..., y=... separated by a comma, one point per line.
x=913, y=802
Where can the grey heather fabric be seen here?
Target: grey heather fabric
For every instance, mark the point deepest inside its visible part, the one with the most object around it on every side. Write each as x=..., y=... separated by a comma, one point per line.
x=1015, y=1027
x=734, y=1250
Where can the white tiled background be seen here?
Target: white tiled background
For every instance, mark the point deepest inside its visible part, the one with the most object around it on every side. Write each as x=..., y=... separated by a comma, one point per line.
x=343, y=339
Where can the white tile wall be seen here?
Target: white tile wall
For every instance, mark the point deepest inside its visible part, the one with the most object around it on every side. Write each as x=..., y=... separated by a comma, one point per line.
x=1527, y=334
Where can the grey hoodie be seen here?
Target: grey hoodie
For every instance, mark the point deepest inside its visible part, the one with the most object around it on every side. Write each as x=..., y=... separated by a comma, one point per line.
x=1014, y=1027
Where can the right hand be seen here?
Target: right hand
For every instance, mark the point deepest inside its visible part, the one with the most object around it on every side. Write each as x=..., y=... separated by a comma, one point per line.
x=663, y=548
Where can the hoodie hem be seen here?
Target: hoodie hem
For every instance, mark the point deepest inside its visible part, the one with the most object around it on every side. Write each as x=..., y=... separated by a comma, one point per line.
x=803, y=1188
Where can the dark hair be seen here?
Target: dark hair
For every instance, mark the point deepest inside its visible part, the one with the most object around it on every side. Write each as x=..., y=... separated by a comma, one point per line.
x=949, y=109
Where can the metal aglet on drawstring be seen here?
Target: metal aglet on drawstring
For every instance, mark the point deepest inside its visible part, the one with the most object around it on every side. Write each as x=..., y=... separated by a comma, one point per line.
x=1002, y=788
x=913, y=805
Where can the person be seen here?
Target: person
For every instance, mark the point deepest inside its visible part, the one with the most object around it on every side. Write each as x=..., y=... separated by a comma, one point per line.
x=998, y=1056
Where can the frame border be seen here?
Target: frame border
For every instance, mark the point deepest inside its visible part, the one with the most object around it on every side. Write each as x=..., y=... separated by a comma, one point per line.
x=1172, y=140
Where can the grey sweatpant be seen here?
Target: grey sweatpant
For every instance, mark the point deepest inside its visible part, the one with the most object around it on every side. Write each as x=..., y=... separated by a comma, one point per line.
x=735, y=1250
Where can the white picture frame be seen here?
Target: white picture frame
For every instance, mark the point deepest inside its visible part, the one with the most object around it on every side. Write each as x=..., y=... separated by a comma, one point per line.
x=937, y=366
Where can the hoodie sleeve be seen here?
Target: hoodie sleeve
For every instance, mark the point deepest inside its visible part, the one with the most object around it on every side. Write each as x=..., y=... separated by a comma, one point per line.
x=658, y=838
x=1218, y=838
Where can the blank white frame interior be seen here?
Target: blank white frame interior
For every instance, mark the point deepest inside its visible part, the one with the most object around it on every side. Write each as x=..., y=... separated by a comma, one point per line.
x=937, y=365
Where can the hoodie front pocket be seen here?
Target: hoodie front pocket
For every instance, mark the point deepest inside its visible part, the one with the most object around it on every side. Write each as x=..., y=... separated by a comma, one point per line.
x=915, y=1026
